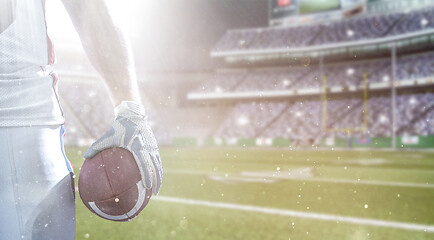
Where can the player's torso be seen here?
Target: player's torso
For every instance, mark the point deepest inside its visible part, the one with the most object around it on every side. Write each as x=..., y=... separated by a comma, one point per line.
x=27, y=90
x=23, y=36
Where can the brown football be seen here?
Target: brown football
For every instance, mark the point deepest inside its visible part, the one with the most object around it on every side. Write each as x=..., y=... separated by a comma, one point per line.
x=110, y=185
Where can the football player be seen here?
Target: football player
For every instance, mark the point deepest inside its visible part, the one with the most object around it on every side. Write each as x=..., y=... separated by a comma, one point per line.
x=36, y=183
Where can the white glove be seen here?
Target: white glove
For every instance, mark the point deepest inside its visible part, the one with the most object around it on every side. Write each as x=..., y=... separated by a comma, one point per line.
x=131, y=131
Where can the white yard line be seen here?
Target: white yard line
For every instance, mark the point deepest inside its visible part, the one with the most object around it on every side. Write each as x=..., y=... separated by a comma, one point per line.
x=367, y=182
x=299, y=214
x=340, y=180
x=191, y=172
x=220, y=176
x=241, y=179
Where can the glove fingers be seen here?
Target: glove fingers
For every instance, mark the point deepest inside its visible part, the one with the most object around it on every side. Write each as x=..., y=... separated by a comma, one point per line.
x=89, y=153
x=158, y=171
x=144, y=163
x=106, y=141
x=94, y=148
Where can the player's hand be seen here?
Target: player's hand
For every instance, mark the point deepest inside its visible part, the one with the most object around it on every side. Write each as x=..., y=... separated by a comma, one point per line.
x=131, y=131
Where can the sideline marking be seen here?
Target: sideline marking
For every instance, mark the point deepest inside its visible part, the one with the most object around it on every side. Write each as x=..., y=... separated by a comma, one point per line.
x=365, y=162
x=215, y=176
x=291, y=213
x=337, y=180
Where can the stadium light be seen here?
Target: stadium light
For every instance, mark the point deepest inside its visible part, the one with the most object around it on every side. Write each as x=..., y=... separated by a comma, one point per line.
x=423, y=22
x=383, y=119
x=412, y=101
x=242, y=121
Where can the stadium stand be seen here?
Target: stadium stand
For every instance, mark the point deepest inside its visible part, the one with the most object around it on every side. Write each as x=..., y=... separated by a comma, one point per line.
x=356, y=29
x=301, y=120
x=339, y=74
x=251, y=118
x=307, y=119
x=223, y=82
x=416, y=114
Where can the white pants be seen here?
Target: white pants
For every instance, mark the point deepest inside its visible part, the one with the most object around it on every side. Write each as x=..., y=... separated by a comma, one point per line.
x=36, y=185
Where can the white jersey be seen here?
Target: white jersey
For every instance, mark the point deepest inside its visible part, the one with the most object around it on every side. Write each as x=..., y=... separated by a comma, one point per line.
x=27, y=90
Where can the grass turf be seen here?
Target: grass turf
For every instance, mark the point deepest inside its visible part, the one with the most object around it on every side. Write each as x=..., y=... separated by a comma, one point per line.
x=188, y=172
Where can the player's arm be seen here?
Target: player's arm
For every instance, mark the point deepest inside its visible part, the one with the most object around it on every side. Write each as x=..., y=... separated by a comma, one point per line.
x=110, y=54
x=106, y=47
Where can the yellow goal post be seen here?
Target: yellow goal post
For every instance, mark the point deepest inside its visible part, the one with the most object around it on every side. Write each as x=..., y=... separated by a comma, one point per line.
x=365, y=109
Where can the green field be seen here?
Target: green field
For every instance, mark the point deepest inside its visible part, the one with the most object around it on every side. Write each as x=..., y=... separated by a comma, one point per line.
x=280, y=194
